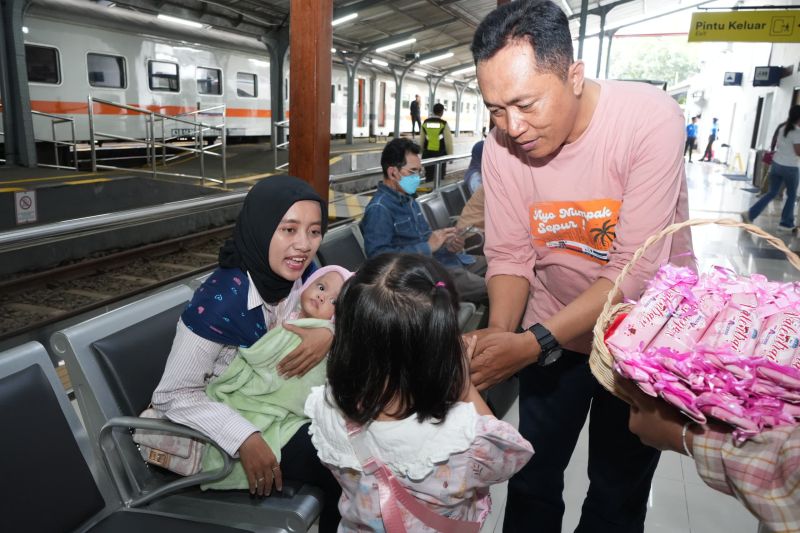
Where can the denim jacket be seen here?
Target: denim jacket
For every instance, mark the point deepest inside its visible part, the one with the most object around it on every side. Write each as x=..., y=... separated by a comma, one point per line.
x=393, y=222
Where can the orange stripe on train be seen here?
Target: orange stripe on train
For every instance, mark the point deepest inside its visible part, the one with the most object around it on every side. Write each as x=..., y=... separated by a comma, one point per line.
x=82, y=108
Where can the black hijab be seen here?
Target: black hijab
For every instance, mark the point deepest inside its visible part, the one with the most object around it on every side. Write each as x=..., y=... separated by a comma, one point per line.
x=264, y=207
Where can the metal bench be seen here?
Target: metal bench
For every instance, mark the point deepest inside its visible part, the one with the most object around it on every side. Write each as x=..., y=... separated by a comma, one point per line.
x=115, y=361
x=53, y=480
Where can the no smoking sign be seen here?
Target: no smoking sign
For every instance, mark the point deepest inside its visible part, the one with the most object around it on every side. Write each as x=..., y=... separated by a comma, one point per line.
x=25, y=206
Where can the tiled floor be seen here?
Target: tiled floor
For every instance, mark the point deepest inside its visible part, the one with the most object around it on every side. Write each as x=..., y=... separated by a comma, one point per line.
x=679, y=500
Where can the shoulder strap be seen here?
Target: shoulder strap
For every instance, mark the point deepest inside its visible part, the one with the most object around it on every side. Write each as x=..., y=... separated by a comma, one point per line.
x=392, y=491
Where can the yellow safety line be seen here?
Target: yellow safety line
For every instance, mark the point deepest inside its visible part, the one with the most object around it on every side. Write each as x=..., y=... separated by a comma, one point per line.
x=84, y=182
x=334, y=160
x=11, y=189
x=27, y=180
x=249, y=178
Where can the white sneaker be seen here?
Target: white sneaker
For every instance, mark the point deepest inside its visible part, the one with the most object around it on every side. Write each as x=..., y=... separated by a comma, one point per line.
x=784, y=229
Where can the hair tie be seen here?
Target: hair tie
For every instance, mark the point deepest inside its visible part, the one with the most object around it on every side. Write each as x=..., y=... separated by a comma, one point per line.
x=440, y=284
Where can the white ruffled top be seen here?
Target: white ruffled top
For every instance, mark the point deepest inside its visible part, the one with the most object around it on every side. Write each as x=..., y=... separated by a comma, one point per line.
x=408, y=447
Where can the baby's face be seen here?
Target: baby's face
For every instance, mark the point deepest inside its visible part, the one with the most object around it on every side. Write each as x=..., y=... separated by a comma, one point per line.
x=317, y=300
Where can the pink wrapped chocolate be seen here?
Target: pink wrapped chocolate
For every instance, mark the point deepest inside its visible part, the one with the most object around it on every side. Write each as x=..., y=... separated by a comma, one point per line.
x=736, y=327
x=648, y=316
x=690, y=321
x=780, y=338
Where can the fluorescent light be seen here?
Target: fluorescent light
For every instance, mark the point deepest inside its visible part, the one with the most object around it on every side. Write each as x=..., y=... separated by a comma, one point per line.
x=436, y=58
x=398, y=44
x=176, y=20
x=567, y=8
x=259, y=62
x=463, y=70
x=419, y=72
x=344, y=19
x=380, y=62
x=24, y=29
x=333, y=50
x=449, y=80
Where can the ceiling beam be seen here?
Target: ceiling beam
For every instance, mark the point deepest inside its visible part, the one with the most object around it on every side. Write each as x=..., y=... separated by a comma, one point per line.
x=405, y=35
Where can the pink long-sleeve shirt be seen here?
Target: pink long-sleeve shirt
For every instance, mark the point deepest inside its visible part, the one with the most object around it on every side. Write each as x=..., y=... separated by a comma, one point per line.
x=566, y=222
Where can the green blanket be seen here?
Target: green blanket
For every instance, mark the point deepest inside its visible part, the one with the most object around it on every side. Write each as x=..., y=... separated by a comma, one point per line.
x=251, y=385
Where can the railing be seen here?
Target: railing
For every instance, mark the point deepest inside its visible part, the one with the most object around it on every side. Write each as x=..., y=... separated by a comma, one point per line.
x=279, y=146
x=59, y=231
x=353, y=176
x=2, y=159
x=67, y=229
x=152, y=144
x=54, y=121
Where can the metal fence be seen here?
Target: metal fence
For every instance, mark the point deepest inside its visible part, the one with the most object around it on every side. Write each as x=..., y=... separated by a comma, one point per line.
x=152, y=144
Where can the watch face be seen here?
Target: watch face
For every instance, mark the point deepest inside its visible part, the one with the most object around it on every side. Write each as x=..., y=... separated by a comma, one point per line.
x=552, y=356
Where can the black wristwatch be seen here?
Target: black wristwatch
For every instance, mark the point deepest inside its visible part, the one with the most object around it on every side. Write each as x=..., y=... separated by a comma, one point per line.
x=551, y=350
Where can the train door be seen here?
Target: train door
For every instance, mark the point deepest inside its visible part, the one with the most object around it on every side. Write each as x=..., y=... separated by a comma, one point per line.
x=382, y=105
x=361, y=102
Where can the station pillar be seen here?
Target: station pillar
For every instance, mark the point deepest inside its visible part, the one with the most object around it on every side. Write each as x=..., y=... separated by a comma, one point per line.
x=311, y=38
x=20, y=146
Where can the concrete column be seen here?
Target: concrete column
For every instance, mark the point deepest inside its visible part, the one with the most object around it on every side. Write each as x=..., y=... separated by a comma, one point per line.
x=278, y=45
x=311, y=37
x=459, y=93
x=398, y=97
x=20, y=146
x=603, y=13
x=582, y=32
x=608, y=50
x=352, y=70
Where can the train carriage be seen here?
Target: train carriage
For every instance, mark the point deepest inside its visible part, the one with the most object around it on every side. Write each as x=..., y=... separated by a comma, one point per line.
x=76, y=49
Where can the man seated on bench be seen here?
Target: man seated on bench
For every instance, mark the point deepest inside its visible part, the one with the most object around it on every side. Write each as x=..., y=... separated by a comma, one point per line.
x=393, y=222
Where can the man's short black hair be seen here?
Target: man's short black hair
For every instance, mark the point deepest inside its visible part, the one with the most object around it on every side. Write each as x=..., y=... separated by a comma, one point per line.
x=394, y=153
x=539, y=22
x=438, y=109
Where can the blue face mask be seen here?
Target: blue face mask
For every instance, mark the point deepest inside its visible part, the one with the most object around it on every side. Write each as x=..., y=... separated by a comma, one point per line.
x=410, y=183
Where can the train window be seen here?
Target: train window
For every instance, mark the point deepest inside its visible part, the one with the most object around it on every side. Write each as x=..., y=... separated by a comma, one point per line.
x=246, y=85
x=42, y=64
x=453, y=106
x=164, y=76
x=209, y=80
x=106, y=71
x=333, y=94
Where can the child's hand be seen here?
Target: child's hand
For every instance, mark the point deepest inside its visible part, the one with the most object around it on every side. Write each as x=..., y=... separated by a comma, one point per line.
x=314, y=345
x=471, y=342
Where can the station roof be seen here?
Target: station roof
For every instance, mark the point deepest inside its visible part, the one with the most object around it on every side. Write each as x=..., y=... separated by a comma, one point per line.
x=439, y=27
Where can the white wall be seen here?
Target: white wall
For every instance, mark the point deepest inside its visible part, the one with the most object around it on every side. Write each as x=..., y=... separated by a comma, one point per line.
x=736, y=106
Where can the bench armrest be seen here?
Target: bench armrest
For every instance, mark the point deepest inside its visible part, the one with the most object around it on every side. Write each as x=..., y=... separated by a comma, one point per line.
x=133, y=422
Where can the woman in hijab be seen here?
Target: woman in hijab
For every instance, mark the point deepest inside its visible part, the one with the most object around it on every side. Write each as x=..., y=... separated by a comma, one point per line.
x=255, y=288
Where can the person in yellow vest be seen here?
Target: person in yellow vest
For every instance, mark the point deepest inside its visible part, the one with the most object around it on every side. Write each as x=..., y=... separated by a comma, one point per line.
x=437, y=140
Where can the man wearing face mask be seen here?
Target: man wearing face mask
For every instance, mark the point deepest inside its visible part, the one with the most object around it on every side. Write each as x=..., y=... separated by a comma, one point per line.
x=393, y=222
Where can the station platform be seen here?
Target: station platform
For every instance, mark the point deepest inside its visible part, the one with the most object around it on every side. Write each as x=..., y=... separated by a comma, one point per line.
x=246, y=164
x=38, y=196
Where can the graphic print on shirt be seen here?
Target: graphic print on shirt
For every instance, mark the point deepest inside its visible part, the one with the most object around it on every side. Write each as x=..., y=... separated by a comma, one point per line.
x=586, y=228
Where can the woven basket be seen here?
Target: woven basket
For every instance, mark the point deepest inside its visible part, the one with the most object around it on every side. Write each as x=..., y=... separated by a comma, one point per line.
x=601, y=361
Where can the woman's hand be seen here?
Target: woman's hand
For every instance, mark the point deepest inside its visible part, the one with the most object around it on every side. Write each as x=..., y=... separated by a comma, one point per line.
x=314, y=345
x=260, y=465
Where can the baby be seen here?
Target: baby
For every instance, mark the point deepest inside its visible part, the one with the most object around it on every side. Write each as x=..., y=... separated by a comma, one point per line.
x=253, y=387
x=319, y=293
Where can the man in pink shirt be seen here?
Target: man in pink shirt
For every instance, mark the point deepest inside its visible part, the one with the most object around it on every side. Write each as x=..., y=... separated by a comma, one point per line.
x=577, y=174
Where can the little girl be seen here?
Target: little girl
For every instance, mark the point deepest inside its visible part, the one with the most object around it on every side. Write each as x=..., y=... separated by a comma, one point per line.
x=252, y=386
x=403, y=430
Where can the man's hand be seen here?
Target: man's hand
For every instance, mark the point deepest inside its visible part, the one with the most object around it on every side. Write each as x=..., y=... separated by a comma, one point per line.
x=499, y=355
x=439, y=237
x=654, y=421
x=314, y=345
x=260, y=465
x=455, y=244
